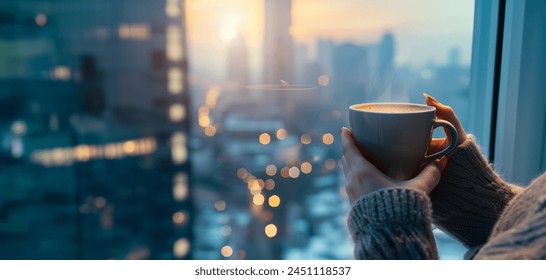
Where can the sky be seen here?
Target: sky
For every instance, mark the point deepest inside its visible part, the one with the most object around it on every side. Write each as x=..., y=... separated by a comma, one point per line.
x=424, y=30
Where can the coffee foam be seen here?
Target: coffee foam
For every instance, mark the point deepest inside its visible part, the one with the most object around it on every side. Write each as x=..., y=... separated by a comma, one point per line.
x=391, y=108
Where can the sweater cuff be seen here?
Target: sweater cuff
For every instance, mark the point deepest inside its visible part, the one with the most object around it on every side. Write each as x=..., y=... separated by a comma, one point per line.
x=392, y=224
x=389, y=208
x=470, y=196
x=467, y=159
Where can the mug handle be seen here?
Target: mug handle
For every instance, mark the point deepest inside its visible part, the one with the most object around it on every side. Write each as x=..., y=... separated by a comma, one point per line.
x=454, y=137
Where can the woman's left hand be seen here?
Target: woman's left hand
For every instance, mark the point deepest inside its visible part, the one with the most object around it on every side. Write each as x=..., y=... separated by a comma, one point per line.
x=363, y=177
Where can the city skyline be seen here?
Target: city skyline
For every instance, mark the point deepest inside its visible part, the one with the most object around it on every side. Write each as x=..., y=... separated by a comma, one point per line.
x=425, y=31
x=282, y=143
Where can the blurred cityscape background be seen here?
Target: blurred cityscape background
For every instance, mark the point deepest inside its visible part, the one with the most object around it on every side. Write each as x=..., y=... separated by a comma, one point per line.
x=203, y=129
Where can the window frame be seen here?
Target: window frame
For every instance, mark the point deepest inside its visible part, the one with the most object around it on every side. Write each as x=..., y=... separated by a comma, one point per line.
x=520, y=148
x=482, y=79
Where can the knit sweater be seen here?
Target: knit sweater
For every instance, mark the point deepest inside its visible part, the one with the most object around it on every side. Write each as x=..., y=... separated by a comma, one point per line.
x=493, y=219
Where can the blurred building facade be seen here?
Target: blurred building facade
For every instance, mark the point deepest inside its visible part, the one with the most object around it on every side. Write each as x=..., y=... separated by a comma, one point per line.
x=278, y=43
x=95, y=100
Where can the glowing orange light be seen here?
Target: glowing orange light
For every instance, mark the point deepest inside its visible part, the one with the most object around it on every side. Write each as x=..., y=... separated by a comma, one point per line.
x=226, y=251
x=181, y=247
x=204, y=121
x=179, y=217
x=174, y=46
x=284, y=172
x=271, y=170
x=210, y=130
x=258, y=199
x=264, y=138
x=203, y=111
x=254, y=186
x=306, y=167
x=269, y=184
x=177, y=112
x=172, y=9
x=270, y=230
x=328, y=138
x=242, y=173
x=82, y=153
x=175, y=83
x=129, y=147
x=274, y=201
x=62, y=73
x=40, y=19
x=293, y=172
x=281, y=133
x=305, y=139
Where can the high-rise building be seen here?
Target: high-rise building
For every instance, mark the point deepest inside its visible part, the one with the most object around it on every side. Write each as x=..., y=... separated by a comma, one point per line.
x=454, y=57
x=237, y=61
x=351, y=74
x=97, y=99
x=385, y=65
x=278, y=60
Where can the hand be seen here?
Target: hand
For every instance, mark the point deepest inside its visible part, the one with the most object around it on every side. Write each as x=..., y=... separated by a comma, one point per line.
x=444, y=112
x=363, y=177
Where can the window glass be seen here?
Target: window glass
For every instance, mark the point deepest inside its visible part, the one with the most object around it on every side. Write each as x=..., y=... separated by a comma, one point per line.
x=104, y=157
x=268, y=183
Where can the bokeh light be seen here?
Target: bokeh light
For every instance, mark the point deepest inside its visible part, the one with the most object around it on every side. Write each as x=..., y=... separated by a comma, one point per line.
x=270, y=230
x=264, y=138
x=274, y=201
x=226, y=251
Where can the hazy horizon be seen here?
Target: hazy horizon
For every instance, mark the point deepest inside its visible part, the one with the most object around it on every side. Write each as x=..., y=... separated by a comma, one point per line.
x=421, y=37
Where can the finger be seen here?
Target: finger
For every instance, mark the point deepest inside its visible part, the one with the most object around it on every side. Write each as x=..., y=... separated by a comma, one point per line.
x=446, y=113
x=427, y=179
x=355, y=162
x=441, y=162
x=442, y=111
x=439, y=143
x=436, y=145
x=350, y=150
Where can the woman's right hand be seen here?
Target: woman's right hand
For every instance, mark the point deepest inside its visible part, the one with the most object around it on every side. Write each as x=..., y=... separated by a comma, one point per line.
x=444, y=112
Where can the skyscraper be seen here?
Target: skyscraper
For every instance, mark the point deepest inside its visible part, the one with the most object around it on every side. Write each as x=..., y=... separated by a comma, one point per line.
x=278, y=60
x=237, y=61
x=98, y=102
x=385, y=65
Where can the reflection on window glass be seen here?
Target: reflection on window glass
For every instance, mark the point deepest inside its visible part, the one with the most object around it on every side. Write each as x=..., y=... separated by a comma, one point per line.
x=265, y=150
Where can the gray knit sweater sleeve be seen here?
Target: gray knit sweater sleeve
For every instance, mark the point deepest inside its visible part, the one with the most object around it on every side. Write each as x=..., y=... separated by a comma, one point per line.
x=470, y=197
x=392, y=224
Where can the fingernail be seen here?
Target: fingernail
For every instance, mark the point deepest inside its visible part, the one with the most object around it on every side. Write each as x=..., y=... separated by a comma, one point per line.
x=432, y=99
x=442, y=163
x=345, y=130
